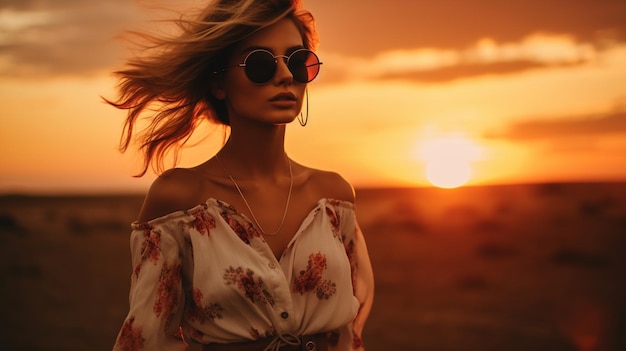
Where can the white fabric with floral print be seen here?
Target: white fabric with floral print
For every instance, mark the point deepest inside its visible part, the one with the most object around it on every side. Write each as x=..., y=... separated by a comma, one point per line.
x=208, y=273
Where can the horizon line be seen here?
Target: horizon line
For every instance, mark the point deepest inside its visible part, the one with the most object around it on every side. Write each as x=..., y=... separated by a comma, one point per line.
x=5, y=193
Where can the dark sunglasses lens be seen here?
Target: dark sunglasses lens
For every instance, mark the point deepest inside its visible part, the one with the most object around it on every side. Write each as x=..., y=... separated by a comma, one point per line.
x=260, y=67
x=304, y=66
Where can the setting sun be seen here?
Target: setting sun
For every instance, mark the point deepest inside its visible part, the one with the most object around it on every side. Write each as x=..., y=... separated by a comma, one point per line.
x=448, y=160
x=448, y=174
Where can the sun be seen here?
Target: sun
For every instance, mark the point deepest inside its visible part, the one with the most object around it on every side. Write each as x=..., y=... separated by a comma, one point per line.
x=448, y=174
x=448, y=160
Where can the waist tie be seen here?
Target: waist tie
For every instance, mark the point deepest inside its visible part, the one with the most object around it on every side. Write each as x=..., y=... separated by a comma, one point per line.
x=284, y=342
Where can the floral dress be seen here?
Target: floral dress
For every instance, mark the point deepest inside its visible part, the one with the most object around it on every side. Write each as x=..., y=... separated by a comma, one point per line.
x=207, y=275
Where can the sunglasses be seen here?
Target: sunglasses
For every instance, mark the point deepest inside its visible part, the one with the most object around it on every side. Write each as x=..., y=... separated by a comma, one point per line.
x=260, y=65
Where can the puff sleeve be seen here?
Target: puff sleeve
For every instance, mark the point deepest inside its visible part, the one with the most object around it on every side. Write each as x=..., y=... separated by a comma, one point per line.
x=349, y=338
x=156, y=295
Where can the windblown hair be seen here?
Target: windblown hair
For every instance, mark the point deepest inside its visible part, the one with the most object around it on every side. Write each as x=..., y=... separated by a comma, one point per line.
x=174, y=79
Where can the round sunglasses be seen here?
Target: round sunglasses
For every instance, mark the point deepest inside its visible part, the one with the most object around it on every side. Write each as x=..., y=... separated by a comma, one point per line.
x=260, y=65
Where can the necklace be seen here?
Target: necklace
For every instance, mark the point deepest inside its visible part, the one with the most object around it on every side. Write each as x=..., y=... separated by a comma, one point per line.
x=282, y=221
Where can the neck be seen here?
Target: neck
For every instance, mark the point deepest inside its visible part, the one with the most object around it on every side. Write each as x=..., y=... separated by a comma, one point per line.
x=258, y=153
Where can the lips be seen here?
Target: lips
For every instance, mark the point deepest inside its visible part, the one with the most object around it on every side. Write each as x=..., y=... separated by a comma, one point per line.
x=284, y=97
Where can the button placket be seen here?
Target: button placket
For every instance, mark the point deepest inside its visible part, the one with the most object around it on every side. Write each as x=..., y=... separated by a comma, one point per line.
x=280, y=288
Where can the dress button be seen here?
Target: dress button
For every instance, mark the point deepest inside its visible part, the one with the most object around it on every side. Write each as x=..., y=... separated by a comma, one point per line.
x=272, y=265
x=310, y=346
x=284, y=315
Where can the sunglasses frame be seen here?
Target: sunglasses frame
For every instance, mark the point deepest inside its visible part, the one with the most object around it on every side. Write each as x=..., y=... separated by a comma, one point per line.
x=276, y=57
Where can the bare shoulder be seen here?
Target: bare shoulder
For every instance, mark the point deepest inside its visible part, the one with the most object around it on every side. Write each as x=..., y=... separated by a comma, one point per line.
x=331, y=185
x=174, y=190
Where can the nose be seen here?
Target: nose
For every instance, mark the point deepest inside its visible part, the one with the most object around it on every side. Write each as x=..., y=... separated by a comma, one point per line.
x=283, y=74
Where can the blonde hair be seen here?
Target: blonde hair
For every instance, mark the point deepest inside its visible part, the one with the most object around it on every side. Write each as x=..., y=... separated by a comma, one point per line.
x=173, y=80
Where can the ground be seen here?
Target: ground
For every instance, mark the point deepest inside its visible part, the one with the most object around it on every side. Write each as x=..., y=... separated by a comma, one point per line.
x=515, y=267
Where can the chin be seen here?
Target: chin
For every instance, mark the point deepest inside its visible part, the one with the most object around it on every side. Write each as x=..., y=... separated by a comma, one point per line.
x=284, y=119
x=283, y=123
x=274, y=117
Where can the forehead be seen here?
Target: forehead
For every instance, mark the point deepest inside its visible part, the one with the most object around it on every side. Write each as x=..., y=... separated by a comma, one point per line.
x=278, y=37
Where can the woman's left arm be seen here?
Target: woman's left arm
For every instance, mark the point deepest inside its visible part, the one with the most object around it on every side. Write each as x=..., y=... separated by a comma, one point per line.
x=363, y=283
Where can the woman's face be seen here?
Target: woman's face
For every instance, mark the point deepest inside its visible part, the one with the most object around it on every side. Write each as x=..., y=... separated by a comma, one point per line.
x=280, y=99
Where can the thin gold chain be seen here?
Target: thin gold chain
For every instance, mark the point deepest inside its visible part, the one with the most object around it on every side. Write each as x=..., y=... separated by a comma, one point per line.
x=282, y=221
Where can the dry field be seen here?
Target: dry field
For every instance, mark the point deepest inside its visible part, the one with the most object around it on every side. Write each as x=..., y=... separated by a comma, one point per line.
x=520, y=267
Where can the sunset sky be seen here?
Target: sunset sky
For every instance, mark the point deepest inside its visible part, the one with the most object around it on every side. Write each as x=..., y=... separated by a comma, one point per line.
x=524, y=91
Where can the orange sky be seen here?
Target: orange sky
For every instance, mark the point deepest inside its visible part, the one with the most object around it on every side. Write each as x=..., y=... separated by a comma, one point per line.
x=537, y=92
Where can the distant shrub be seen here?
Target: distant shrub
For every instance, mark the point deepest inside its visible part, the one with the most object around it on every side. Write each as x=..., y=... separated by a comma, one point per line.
x=497, y=251
x=472, y=282
x=77, y=226
x=597, y=207
x=579, y=258
x=489, y=226
x=80, y=226
x=550, y=189
x=9, y=224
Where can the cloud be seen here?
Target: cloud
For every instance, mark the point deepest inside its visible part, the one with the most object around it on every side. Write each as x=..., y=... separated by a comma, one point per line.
x=485, y=56
x=546, y=129
x=76, y=36
x=61, y=36
x=364, y=27
x=465, y=71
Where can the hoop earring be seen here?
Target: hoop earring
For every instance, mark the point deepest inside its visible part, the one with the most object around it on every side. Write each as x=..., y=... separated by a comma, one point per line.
x=305, y=119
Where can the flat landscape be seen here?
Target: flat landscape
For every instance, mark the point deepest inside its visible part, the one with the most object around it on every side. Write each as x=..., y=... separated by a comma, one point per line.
x=511, y=267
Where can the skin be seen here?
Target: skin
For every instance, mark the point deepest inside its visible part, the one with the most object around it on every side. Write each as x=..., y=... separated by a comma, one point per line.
x=254, y=154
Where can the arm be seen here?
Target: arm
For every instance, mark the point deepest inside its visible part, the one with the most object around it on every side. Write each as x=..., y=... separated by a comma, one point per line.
x=350, y=337
x=363, y=285
x=156, y=296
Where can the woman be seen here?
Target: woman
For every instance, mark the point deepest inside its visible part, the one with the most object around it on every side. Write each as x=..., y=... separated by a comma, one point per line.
x=248, y=250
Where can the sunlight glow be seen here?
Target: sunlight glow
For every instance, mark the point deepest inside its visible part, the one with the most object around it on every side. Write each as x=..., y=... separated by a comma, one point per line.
x=448, y=160
x=448, y=174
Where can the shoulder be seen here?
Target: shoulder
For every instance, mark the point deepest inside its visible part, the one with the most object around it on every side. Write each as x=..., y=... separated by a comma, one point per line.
x=330, y=185
x=174, y=190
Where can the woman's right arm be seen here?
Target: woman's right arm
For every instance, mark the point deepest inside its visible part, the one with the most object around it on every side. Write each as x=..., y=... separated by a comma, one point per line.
x=156, y=296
